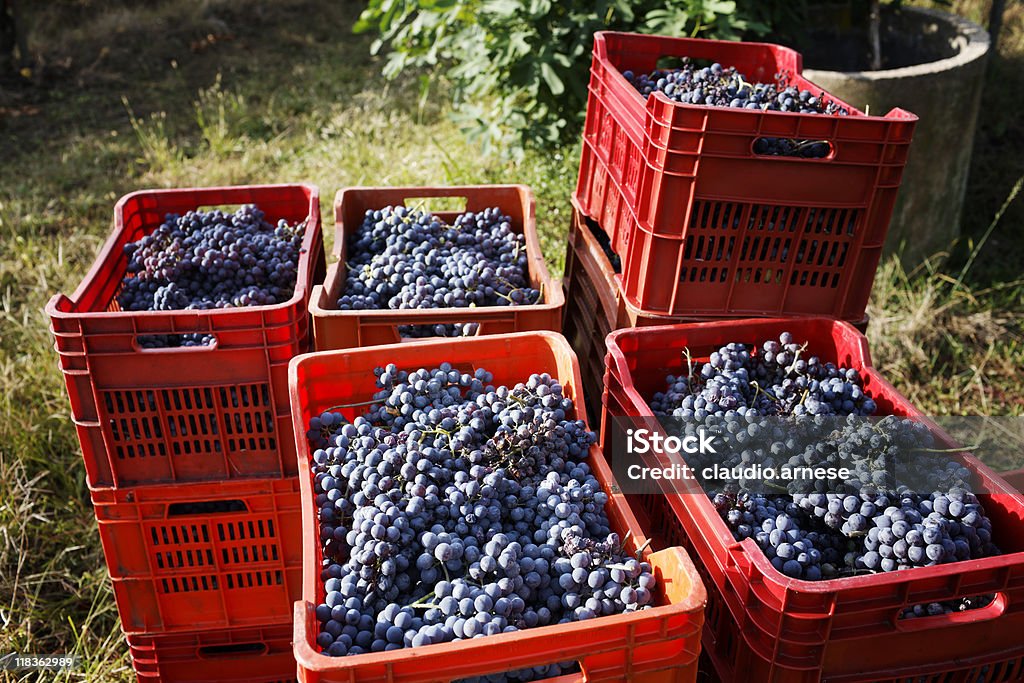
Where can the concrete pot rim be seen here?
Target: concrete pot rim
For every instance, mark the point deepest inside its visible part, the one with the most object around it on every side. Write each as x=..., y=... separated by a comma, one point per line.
x=977, y=48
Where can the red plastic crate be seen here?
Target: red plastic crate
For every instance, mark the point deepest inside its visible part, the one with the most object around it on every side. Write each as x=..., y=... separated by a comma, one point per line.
x=707, y=227
x=595, y=307
x=1014, y=478
x=247, y=655
x=187, y=557
x=334, y=329
x=187, y=414
x=661, y=644
x=761, y=625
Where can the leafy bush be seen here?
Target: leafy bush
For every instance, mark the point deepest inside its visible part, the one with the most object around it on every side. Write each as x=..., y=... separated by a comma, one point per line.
x=520, y=68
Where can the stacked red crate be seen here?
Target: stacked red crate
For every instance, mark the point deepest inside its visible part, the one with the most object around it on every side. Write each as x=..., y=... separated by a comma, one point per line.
x=189, y=452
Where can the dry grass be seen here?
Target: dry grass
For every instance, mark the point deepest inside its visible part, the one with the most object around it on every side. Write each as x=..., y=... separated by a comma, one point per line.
x=954, y=350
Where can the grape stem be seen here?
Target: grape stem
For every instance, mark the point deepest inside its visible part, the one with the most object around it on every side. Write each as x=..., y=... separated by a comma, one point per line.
x=951, y=450
x=355, y=405
x=759, y=390
x=422, y=600
x=796, y=357
x=625, y=539
x=690, y=365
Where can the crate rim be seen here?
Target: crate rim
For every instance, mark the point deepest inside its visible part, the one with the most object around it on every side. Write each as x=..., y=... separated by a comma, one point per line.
x=309, y=658
x=424, y=192
x=306, y=655
x=894, y=114
x=553, y=299
x=733, y=323
x=313, y=225
x=184, y=491
x=749, y=546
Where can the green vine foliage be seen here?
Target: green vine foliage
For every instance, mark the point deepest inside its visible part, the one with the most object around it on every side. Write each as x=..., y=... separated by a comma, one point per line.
x=519, y=68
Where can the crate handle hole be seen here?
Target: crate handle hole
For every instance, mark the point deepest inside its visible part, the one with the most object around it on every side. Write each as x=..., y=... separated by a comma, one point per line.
x=185, y=342
x=224, y=208
x=993, y=605
x=206, y=507
x=234, y=650
x=430, y=331
x=793, y=148
x=672, y=62
x=605, y=243
x=435, y=204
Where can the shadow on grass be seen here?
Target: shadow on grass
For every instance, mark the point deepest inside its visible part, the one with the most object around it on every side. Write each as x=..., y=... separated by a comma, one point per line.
x=158, y=55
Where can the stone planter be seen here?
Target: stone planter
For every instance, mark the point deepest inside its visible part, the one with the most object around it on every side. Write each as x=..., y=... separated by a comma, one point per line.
x=945, y=92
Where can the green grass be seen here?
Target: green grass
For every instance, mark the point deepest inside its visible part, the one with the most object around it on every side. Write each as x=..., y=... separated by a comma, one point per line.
x=202, y=92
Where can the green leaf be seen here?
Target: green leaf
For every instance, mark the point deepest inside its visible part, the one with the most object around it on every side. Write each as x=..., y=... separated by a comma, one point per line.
x=518, y=44
x=503, y=8
x=364, y=23
x=719, y=7
x=538, y=8
x=523, y=64
x=562, y=59
x=624, y=9
x=554, y=83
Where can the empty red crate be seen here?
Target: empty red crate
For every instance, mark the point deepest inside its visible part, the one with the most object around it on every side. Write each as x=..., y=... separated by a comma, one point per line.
x=184, y=414
x=202, y=556
x=594, y=305
x=762, y=625
x=660, y=644
x=245, y=655
x=707, y=227
x=335, y=329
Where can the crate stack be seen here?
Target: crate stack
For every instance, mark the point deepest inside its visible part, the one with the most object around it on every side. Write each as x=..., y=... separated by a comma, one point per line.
x=695, y=225
x=189, y=451
x=659, y=645
x=684, y=239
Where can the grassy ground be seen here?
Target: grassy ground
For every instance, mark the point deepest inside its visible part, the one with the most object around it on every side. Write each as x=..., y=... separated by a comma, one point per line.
x=200, y=92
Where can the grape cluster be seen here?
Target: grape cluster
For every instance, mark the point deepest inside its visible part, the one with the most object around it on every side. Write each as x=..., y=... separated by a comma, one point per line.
x=779, y=380
x=902, y=506
x=904, y=529
x=454, y=509
x=824, y=536
x=774, y=524
x=403, y=258
x=717, y=86
x=210, y=259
